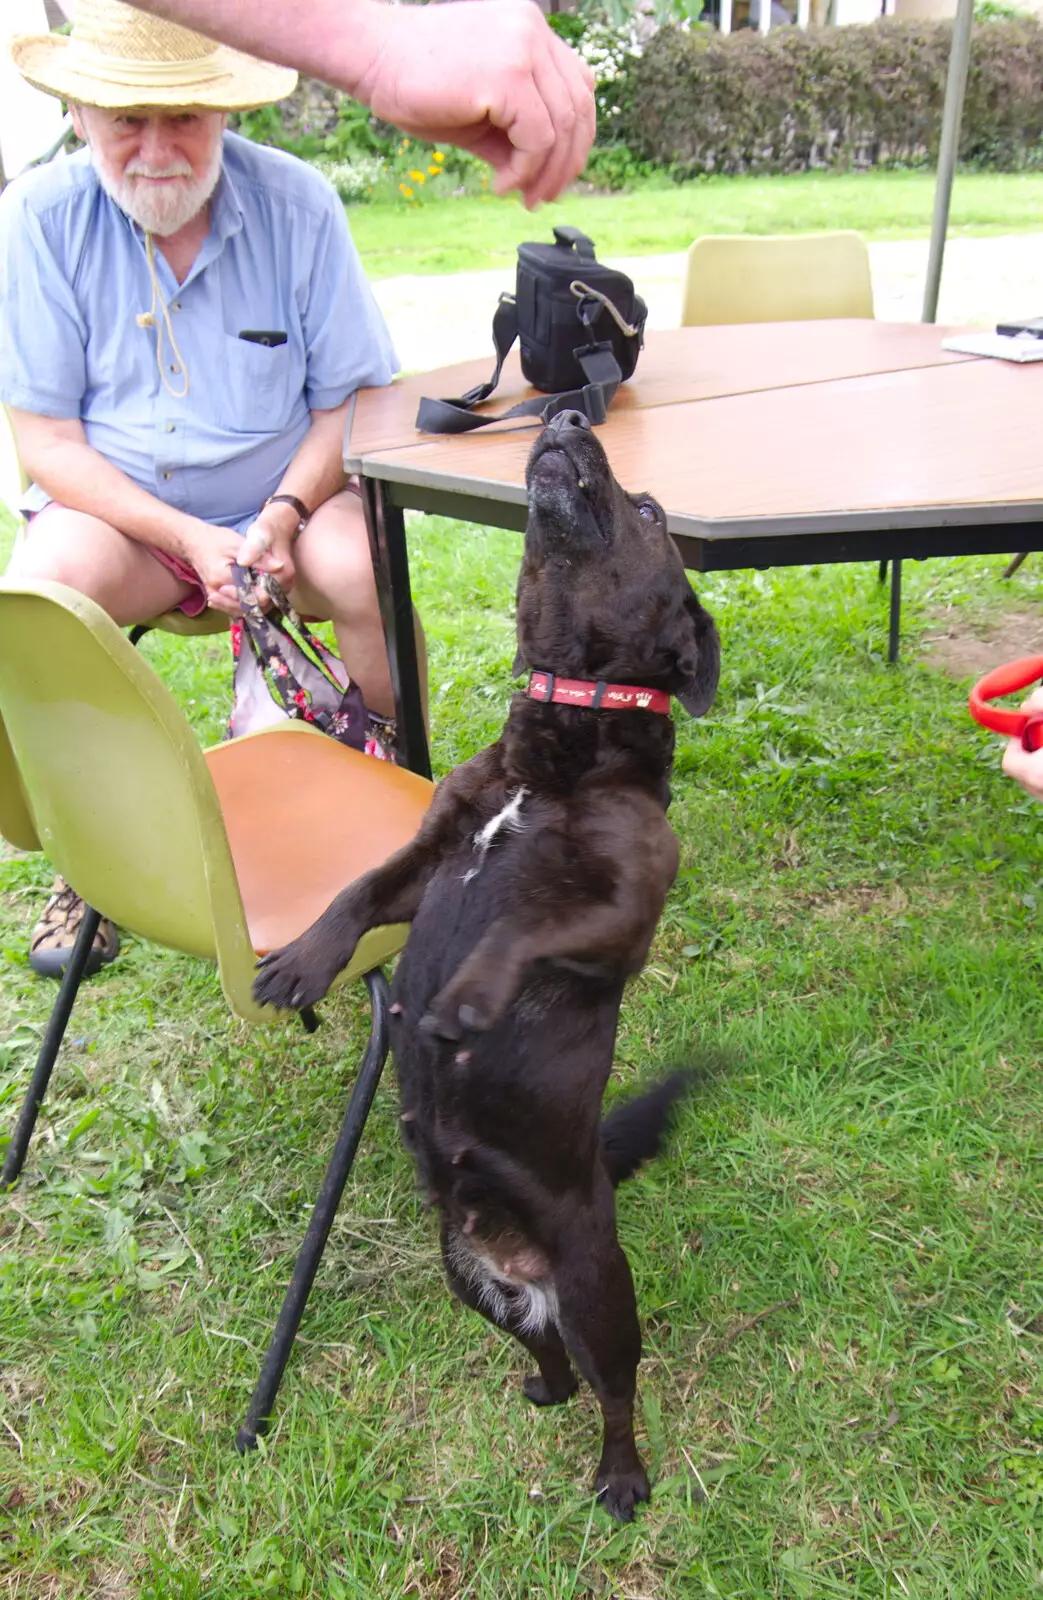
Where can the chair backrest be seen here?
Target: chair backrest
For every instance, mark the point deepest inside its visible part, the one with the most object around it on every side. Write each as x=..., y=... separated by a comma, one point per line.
x=779, y=278
x=113, y=782
x=16, y=823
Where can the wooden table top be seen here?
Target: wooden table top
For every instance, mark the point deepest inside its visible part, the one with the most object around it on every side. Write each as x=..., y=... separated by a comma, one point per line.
x=920, y=446
x=677, y=365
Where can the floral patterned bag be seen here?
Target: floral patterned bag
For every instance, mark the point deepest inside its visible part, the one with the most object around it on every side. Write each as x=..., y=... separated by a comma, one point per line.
x=282, y=672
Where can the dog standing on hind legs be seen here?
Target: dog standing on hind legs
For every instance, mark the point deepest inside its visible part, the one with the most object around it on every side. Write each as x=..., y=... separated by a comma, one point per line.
x=534, y=887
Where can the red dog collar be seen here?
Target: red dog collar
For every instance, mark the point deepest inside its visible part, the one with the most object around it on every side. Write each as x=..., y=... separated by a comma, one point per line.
x=600, y=696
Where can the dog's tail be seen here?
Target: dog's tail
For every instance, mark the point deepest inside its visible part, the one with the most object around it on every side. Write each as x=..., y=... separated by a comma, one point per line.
x=633, y=1133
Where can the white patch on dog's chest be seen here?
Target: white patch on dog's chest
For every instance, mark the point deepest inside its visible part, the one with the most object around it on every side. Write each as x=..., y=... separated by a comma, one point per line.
x=509, y=816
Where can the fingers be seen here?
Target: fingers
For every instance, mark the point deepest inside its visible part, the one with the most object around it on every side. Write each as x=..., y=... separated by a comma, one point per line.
x=1025, y=767
x=548, y=116
x=224, y=599
x=494, y=78
x=257, y=541
x=570, y=100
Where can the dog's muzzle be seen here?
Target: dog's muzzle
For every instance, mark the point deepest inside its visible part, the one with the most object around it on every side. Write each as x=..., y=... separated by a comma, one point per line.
x=568, y=419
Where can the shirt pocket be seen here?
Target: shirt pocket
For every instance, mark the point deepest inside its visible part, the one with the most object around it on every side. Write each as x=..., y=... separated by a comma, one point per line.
x=257, y=386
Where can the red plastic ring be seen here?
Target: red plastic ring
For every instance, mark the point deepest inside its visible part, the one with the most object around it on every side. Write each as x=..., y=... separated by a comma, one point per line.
x=1009, y=679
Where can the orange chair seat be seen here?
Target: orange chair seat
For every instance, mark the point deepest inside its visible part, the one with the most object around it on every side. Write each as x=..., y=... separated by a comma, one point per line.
x=305, y=816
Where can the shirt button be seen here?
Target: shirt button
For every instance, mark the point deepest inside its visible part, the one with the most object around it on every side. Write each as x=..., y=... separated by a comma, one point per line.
x=168, y=474
x=171, y=427
x=175, y=367
x=176, y=306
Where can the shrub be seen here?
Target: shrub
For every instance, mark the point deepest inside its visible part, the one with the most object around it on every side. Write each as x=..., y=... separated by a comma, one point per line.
x=364, y=158
x=689, y=100
x=697, y=101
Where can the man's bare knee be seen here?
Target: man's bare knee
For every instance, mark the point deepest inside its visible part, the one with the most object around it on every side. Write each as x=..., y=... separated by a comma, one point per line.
x=40, y=560
x=95, y=559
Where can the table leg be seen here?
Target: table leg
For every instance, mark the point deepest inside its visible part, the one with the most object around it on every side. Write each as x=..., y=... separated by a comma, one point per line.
x=386, y=526
x=896, y=611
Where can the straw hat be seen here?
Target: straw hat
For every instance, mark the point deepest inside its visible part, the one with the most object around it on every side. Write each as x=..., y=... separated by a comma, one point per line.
x=117, y=58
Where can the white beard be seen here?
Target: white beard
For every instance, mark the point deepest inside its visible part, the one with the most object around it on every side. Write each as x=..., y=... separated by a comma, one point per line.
x=165, y=208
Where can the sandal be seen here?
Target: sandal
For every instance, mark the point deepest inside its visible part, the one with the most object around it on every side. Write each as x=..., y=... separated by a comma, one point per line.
x=55, y=934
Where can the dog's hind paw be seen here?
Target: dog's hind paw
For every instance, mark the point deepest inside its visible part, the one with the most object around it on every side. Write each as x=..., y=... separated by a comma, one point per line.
x=620, y=1492
x=541, y=1393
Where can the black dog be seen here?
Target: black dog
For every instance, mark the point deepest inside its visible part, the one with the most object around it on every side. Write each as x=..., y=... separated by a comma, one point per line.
x=534, y=887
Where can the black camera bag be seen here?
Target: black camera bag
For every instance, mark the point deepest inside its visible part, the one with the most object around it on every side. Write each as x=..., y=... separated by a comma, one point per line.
x=579, y=325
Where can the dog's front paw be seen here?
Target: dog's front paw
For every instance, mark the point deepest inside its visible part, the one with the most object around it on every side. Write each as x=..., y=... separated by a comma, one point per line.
x=620, y=1492
x=291, y=978
x=447, y=1020
x=438, y=1024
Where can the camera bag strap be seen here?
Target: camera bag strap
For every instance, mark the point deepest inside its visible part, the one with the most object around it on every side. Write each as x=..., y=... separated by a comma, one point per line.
x=597, y=361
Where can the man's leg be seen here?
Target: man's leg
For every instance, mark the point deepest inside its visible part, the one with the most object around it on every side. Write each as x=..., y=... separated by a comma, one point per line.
x=335, y=583
x=122, y=576
x=87, y=554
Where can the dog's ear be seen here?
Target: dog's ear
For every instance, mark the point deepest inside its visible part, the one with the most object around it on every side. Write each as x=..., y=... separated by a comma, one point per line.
x=698, y=660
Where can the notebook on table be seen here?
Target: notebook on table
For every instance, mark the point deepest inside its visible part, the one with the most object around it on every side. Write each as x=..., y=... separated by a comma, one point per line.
x=1011, y=341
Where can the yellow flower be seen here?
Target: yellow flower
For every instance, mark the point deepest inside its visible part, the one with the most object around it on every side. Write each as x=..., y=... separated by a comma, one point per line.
x=438, y=156
x=406, y=190
x=418, y=177
x=433, y=172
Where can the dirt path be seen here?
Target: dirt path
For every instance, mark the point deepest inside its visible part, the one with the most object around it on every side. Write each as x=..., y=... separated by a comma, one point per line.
x=438, y=320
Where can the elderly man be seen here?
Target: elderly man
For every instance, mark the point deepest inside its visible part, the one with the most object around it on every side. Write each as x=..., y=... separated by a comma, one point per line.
x=183, y=319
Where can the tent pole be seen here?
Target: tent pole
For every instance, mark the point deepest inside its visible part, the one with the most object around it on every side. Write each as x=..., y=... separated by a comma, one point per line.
x=952, y=116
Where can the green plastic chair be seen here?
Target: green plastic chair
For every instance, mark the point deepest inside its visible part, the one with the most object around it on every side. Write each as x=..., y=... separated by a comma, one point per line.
x=224, y=854
x=796, y=277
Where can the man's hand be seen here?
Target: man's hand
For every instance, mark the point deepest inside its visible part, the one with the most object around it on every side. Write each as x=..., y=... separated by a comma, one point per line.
x=267, y=544
x=488, y=75
x=211, y=553
x=1026, y=766
x=492, y=77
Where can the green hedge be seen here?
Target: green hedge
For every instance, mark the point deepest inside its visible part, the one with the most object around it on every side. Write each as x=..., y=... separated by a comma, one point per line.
x=699, y=101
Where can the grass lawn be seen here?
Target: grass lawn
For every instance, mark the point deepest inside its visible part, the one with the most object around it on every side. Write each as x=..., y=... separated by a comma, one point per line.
x=469, y=234
x=838, y=1264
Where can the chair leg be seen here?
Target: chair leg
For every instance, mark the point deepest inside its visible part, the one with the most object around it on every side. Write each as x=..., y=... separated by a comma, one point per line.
x=57, y=1023
x=307, y=1264
x=1014, y=564
x=896, y=611
x=138, y=632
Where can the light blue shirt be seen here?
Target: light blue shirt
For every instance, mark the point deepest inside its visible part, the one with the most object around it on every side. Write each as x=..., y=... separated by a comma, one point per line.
x=279, y=256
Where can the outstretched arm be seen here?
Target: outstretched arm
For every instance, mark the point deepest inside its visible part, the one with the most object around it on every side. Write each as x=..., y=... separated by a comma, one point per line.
x=487, y=75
